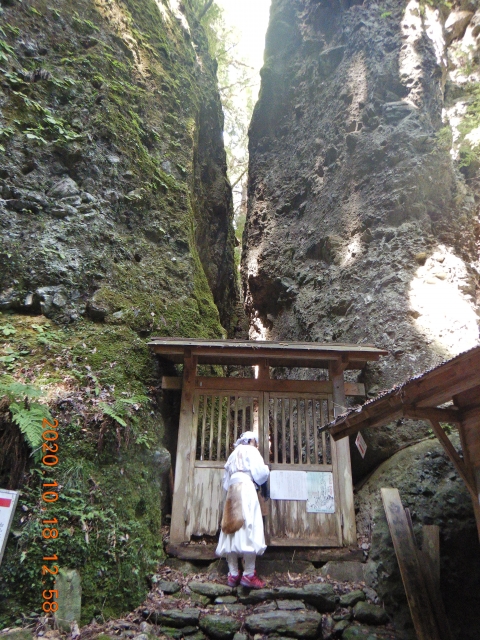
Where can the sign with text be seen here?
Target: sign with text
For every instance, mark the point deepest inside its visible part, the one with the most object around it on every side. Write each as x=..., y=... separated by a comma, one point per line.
x=8, y=503
x=361, y=444
x=320, y=492
x=288, y=485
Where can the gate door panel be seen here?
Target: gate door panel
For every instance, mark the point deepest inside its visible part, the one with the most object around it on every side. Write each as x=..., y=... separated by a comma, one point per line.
x=291, y=442
x=219, y=419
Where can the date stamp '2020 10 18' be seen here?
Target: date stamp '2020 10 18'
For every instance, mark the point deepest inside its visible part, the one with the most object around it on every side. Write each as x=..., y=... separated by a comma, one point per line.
x=49, y=495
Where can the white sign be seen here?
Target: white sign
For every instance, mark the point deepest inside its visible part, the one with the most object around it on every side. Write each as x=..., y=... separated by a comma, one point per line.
x=361, y=444
x=288, y=485
x=8, y=502
x=320, y=492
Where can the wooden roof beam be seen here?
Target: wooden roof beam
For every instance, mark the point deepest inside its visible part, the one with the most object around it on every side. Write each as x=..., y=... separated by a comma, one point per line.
x=350, y=427
x=391, y=410
x=440, y=386
x=433, y=413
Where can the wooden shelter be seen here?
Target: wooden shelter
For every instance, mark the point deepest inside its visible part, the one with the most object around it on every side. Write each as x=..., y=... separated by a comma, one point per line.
x=287, y=415
x=449, y=393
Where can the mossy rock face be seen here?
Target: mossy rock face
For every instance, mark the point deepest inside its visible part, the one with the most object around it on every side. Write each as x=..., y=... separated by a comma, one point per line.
x=118, y=225
x=220, y=627
x=18, y=634
x=124, y=192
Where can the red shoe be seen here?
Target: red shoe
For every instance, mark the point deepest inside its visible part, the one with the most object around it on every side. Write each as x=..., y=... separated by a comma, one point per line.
x=234, y=581
x=252, y=582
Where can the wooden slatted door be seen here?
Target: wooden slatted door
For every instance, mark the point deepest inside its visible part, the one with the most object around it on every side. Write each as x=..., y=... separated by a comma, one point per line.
x=291, y=442
x=218, y=420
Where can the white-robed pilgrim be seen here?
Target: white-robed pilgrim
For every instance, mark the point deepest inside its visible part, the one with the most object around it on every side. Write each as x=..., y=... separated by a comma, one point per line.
x=245, y=465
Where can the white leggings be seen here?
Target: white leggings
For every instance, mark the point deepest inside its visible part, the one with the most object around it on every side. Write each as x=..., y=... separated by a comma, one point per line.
x=249, y=562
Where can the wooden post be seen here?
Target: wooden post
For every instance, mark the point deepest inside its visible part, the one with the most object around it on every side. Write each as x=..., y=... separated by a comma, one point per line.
x=263, y=370
x=344, y=467
x=470, y=435
x=412, y=576
x=185, y=452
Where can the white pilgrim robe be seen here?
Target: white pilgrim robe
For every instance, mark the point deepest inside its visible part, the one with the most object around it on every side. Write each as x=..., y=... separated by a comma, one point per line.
x=244, y=465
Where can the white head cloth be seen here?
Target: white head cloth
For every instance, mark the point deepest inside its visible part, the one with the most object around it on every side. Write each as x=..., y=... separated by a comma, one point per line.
x=245, y=438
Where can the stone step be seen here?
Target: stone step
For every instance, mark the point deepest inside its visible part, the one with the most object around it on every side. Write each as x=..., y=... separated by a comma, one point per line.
x=317, y=609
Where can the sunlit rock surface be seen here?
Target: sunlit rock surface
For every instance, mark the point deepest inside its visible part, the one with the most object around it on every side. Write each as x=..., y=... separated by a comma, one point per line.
x=361, y=228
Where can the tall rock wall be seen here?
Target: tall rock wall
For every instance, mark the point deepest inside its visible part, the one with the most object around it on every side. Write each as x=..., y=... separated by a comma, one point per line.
x=116, y=224
x=360, y=226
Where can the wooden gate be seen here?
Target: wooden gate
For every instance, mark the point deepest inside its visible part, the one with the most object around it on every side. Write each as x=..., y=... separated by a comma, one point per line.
x=218, y=420
x=287, y=426
x=292, y=443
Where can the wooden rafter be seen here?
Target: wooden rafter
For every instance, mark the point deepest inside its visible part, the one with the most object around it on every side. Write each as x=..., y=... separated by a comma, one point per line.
x=432, y=413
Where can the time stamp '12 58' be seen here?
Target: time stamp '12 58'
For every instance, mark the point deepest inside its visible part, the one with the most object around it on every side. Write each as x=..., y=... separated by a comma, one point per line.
x=49, y=495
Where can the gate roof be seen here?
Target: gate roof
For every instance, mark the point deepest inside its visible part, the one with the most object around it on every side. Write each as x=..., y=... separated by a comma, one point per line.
x=455, y=382
x=278, y=354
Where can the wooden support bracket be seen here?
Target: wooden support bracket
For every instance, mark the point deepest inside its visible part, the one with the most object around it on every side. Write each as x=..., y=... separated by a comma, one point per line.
x=457, y=462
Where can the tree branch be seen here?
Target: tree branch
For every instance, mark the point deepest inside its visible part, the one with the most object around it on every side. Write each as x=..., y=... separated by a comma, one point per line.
x=239, y=178
x=234, y=84
x=206, y=7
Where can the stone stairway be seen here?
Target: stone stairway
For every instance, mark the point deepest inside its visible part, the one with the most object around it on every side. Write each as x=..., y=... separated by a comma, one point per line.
x=201, y=606
x=192, y=602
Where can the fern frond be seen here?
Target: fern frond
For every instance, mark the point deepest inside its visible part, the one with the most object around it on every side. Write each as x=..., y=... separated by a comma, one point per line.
x=30, y=422
x=107, y=409
x=134, y=400
x=15, y=390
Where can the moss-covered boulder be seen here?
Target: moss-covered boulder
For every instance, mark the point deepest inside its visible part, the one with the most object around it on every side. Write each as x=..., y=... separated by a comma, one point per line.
x=220, y=627
x=116, y=225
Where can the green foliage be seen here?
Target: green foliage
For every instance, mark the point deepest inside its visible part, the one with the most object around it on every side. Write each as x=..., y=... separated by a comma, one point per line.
x=6, y=131
x=109, y=411
x=30, y=420
x=469, y=152
x=27, y=415
x=437, y=4
x=101, y=533
x=50, y=126
x=11, y=356
x=48, y=336
x=14, y=31
x=15, y=390
x=8, y=329
x=122, y=412
x=5, y=51
x=85, y=27
x=445, y=138
x=448, y=428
